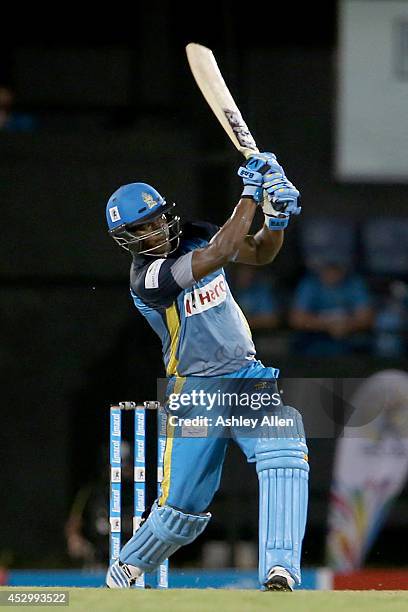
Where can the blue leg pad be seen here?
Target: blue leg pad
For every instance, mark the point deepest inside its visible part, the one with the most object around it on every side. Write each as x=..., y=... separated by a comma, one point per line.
x=283, y=472
x=165, y=530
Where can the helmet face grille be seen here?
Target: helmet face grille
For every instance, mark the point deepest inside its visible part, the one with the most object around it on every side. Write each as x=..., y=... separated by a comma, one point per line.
x=141, y=245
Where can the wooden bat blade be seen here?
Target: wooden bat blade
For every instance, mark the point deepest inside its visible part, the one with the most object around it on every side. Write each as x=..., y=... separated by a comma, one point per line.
x=210, y=80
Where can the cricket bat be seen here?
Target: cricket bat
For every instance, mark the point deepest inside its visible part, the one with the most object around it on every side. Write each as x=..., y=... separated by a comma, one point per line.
x=210, y=80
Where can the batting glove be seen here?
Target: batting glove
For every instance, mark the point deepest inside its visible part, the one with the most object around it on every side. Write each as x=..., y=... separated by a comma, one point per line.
x=252, y=175
x=281, y=201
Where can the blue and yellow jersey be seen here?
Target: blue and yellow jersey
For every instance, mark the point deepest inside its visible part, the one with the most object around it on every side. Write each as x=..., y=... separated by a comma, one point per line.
x=202, y=329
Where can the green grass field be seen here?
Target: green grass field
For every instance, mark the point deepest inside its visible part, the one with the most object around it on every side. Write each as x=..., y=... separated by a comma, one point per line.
x=211, y=600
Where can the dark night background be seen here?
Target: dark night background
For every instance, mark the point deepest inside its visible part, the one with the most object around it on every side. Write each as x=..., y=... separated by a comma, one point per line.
x=115, y=102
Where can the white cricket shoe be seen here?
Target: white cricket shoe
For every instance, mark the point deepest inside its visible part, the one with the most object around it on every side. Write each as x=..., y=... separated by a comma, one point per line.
x=122, y=576
x=279, y=579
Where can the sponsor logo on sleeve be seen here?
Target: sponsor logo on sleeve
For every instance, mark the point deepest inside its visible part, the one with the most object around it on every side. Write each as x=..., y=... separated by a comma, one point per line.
x=202, y=298
x=152, y=274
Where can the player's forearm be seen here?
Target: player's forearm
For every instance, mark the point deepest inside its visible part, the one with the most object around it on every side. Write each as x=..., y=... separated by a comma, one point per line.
x=224, y=246
x=268, y=244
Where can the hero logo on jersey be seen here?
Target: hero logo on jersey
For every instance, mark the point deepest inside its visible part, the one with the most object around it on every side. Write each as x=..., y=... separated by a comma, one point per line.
x=210, y=295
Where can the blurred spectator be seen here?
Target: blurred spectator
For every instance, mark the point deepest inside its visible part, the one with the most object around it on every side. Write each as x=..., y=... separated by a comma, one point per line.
x=391, y=323
x=254, y=294
x=10, y=120
x=330, y=306
x=87, y=527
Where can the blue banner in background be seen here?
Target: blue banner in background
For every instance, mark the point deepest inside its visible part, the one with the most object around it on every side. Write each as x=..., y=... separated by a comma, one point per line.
x=179, y=579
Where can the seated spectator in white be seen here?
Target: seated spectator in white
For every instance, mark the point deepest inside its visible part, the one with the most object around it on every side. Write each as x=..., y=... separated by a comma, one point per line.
x=331, y=306
x=11, y=120
x=254, y=295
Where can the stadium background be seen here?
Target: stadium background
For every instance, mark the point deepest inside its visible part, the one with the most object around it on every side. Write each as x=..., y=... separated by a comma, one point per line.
x=113, y=104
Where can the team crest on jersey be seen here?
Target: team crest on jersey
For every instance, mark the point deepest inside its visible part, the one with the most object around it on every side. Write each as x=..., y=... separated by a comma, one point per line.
x=202, y=298
x=148, y=199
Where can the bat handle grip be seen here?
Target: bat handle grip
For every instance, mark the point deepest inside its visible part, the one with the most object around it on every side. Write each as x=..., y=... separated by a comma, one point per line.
x=248, y=152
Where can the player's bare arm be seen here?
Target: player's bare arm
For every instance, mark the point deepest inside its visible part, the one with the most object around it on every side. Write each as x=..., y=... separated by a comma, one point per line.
x=233, y=243
x=261, y=248
x=265, y=185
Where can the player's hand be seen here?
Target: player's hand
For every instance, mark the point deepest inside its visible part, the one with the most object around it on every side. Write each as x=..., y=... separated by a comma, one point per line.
x=252, y=174
x=274, y=219
x=282, y=198
x=265, y=156
x=283, y=195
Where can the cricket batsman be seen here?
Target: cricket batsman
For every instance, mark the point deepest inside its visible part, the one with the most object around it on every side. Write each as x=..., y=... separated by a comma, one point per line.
x=177, y=282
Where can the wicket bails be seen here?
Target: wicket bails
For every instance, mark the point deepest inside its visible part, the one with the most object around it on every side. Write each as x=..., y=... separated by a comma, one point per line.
x=139, y=475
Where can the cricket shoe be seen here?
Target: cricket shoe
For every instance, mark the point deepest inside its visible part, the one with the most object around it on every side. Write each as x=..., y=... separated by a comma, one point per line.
x=122, y=576
x=279, y=579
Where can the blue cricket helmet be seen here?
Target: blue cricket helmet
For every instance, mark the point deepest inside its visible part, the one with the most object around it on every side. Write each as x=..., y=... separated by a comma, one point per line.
x=134, y=205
